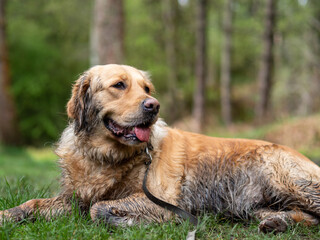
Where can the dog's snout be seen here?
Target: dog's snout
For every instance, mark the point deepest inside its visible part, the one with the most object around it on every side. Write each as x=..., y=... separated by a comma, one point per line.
x=151, y=105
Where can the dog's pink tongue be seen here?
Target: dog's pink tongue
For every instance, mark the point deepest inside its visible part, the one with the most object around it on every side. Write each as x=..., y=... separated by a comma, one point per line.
x=142, y=134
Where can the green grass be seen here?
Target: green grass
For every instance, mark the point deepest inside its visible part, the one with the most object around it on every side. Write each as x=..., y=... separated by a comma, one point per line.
x=31, y=173
x=37, y=166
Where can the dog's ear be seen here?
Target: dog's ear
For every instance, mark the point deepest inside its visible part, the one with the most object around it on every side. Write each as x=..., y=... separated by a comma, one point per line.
x=78, y=91
x=79, y=106
x=146, y=75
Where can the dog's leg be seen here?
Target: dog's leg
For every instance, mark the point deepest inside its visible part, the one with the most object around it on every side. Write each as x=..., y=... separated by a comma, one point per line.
x=278, y=221
x=301, y=193
x=128, y=211
x=48, y=207
x=308, y=195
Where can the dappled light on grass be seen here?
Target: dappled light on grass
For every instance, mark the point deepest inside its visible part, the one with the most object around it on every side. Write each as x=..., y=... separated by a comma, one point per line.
x=42, y=154
x=38, y=166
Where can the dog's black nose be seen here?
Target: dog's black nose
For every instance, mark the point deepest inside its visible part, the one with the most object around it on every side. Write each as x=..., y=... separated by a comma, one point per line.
x=151, y=105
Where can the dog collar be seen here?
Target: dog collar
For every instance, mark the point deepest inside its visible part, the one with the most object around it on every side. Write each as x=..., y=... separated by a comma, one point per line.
x=148, y=162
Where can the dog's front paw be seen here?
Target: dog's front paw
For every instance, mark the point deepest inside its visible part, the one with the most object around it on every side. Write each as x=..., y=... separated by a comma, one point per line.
x=1, y=218
x=273, y=224
x=15, y=214
x=111, y=216
x=4, y=216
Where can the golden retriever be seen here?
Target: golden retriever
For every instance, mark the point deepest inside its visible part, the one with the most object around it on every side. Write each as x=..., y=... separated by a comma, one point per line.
x=102, y=156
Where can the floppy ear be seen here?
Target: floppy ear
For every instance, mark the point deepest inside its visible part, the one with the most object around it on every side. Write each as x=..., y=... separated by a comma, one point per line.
x=80, y=107
x=78, y=91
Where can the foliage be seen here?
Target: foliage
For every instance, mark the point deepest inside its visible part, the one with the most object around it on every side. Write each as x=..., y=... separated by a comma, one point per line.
x=49, y=48
x=48, y=42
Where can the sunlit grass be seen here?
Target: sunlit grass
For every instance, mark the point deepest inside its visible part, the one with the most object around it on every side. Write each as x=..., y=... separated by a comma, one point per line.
x=25, y=163
x=283, y=131
x=41, y=154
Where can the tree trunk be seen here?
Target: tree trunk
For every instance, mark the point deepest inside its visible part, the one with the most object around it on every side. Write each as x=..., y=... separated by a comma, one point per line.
x=201, y=47
x=8, y=125
x=107, y=32
x=266, y=67
x=169, y=18
x=226, y=64
x=315, y=47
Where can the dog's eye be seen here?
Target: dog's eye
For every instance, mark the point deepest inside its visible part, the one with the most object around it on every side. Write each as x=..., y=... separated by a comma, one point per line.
x=119, y=85
x=147, y=89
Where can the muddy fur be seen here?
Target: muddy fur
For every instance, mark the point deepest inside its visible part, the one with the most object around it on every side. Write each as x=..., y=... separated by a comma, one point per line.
x=103, y=165
x=237, y=186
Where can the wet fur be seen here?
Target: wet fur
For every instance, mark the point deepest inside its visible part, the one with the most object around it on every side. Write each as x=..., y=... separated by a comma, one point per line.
x=240, y=178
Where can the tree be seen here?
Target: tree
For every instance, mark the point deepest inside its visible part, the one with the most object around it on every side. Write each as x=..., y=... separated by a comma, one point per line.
x=267, y=59
x=169, y=18
x=107, y=33
x=201, y=62
x=8, y=125
x=226, y=64
x=315, y=48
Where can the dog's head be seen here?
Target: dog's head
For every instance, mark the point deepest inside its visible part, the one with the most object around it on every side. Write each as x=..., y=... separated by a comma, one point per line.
x=114, y=102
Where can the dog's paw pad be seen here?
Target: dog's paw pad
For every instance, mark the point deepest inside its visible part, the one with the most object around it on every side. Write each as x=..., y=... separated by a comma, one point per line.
x=273, y=224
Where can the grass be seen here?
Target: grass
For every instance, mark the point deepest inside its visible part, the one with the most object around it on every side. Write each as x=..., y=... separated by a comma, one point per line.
x=27, y=173
x=30, y=165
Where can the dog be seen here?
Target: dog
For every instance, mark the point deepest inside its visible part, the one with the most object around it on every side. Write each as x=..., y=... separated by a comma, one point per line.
x=102, y=154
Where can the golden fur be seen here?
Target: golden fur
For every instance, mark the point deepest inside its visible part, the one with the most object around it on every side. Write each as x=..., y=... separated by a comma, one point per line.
x=103, y=164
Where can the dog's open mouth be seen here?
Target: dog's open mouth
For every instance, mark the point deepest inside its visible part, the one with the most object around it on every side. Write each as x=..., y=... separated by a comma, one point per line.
x=140, y=132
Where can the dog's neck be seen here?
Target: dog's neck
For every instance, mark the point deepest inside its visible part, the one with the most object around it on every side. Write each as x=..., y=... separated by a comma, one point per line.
x=105, y=151
x=110, y=153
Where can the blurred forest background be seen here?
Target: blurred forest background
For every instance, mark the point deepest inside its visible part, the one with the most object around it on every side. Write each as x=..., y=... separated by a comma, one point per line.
x=218, y=63
x=227, y=68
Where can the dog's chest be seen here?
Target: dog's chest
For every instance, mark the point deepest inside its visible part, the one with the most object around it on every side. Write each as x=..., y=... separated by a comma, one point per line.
x=94, y=182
